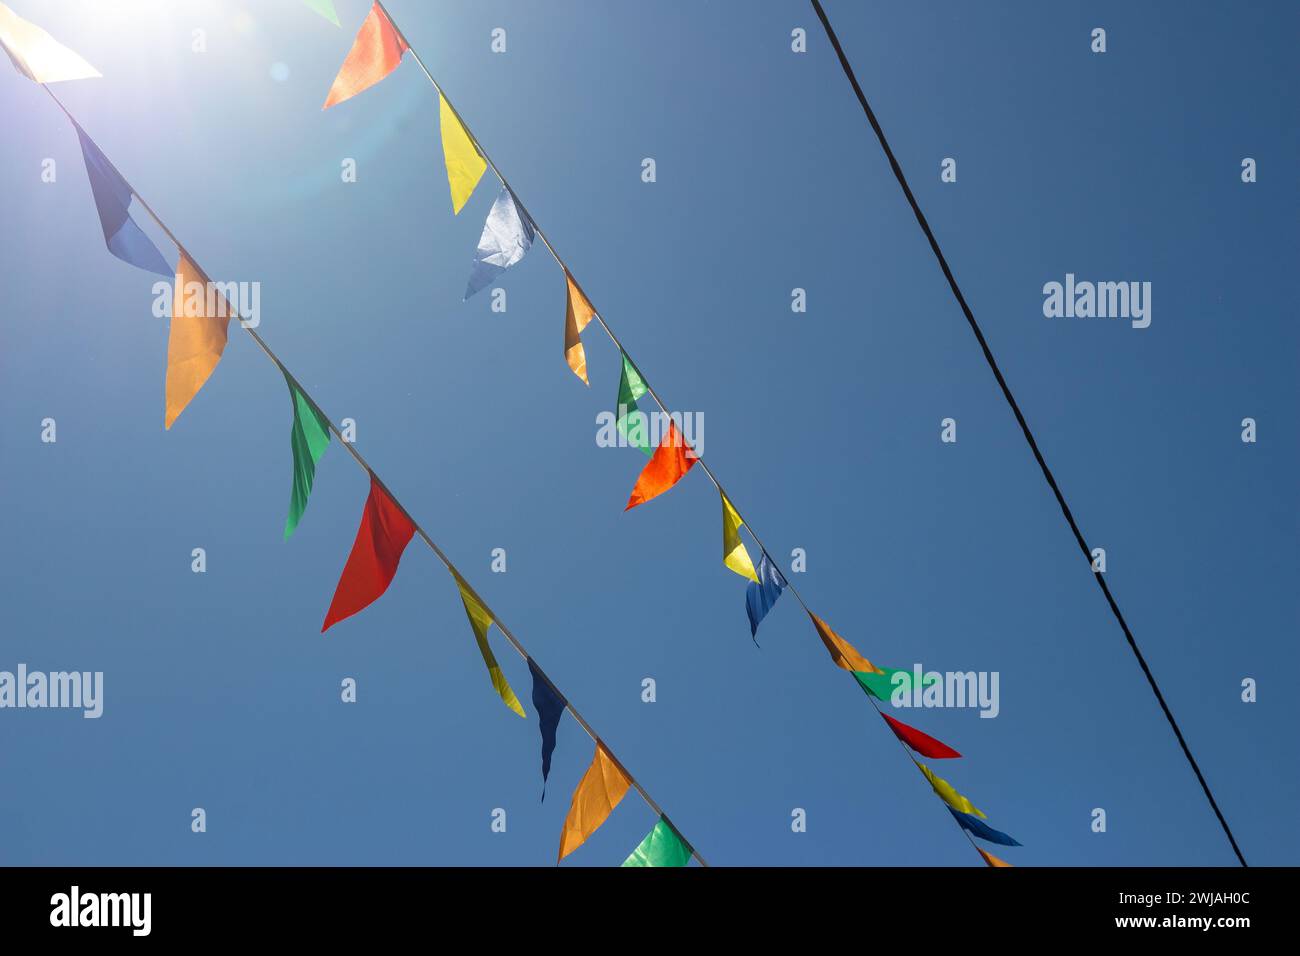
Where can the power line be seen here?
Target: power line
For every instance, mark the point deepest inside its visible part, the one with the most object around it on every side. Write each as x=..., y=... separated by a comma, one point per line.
x=1020, y=418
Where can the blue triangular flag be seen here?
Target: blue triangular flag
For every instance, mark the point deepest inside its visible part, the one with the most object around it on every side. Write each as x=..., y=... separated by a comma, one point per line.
x=981, y=829
x=507, y=236
x=113, y=199
x=760, y=595
x=550, y=707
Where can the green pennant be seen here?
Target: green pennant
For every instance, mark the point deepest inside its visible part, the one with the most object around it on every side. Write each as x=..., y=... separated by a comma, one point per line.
x=881, y=686
x=309, y=437
x=661, y=847
x=630, y=388
x=325, y=8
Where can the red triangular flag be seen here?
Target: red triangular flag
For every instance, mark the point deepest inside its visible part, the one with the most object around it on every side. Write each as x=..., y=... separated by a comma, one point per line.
x=923, y=744
x=384, y=533
x=375, y=53
x=671, y=460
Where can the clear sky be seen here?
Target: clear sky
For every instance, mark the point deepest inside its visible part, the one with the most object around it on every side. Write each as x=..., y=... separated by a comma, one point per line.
x=220, y=691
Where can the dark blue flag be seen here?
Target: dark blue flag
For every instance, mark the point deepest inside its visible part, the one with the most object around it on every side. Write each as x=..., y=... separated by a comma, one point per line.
x=113, y=199
x=981, y=829
x=550, y=707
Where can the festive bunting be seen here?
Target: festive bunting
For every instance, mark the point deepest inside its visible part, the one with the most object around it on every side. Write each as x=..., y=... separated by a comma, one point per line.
x=631, y=422
x=375, y=53
x=384, y=533
x=37, y=55
x=598, y=793
x=982, y=829
x=326, y=9
x=880, y=683
x=480, y=620
x=577, y=313
x=507, y=237
x=670, y=462
x=309, y=437
x=550, y=708
x=196, y=338
x=922, y=743
x=948, y=795
x=112, y=193
x=465, y=165
x=843, y=653
x=661, y=847
x=761, y=594
x=734, y=554
x=992, y=860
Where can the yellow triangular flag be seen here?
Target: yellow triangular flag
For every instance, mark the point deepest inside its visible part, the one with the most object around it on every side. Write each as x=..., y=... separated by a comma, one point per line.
x=734, y=554
x=480, y=620
x=197, y=337
x=577, y=314
x=37, y=55
x=464, y=163
x=947, y=794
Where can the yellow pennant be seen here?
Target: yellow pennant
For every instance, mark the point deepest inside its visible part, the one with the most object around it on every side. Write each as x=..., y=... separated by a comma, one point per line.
x=598, y=793
x=577, y=314
x=843, y=653
x=197, y=337
x=734, y=554
x=37, y=55
x=947, y=794
x=992, y=860
x=464, y=163
x=480, y=620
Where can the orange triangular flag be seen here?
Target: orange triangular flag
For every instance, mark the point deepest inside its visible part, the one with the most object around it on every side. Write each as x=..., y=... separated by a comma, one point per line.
x=598, y=793
x=843, y=653
x=375, y=53
x=577, y=313
x=200, y=323
x=992, y=860
x=671, y=460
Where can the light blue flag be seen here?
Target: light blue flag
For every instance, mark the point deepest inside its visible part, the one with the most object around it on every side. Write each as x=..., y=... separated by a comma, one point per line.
x=507, y=236
x=761, y=595
x=113, y=200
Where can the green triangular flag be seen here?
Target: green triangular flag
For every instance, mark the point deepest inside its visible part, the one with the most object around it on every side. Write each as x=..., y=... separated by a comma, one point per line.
x=630, y=388
x=325, y=8
x=309, y=437
x=661, y=847
x=881, y=686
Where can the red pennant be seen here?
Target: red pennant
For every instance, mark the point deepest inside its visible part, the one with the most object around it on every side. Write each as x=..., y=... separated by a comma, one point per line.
x=375, y=53
x=384, y=534
x=671, y=460
x=923, y=744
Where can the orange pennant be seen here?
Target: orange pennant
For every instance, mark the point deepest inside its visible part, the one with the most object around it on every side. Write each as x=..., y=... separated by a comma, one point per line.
x=578, y=312
x=375, y=53
x=992, y=860
x=598, y=793
x=843, y=653
x=197, y=337
x=671, y=460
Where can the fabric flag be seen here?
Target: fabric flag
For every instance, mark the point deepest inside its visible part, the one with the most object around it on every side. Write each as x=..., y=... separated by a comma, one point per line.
x=948, y=795
x=507, y=237
x=922, y=743
x=760, y=595
x=375, y=53
x=843, y=653
x=734, y=554
x=982, y=829
x=992, y=860
x=880, y=682
x=384, y=533
x=465, y=165
x=196, y=338
x=37, y=55
x=577, y=314
x=326, y=9
x=661, y=847
x=598, y=793
x=112, y=193
x=671, y=460
x=630, y=388
x=550, y=708
x=480, y=620
x=309, y=437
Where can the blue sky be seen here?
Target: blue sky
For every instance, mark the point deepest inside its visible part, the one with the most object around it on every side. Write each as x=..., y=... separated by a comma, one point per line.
x=220, y=691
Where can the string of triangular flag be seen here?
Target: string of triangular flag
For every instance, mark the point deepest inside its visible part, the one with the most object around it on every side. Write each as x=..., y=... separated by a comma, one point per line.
x=197, y=337
x=508, y=234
